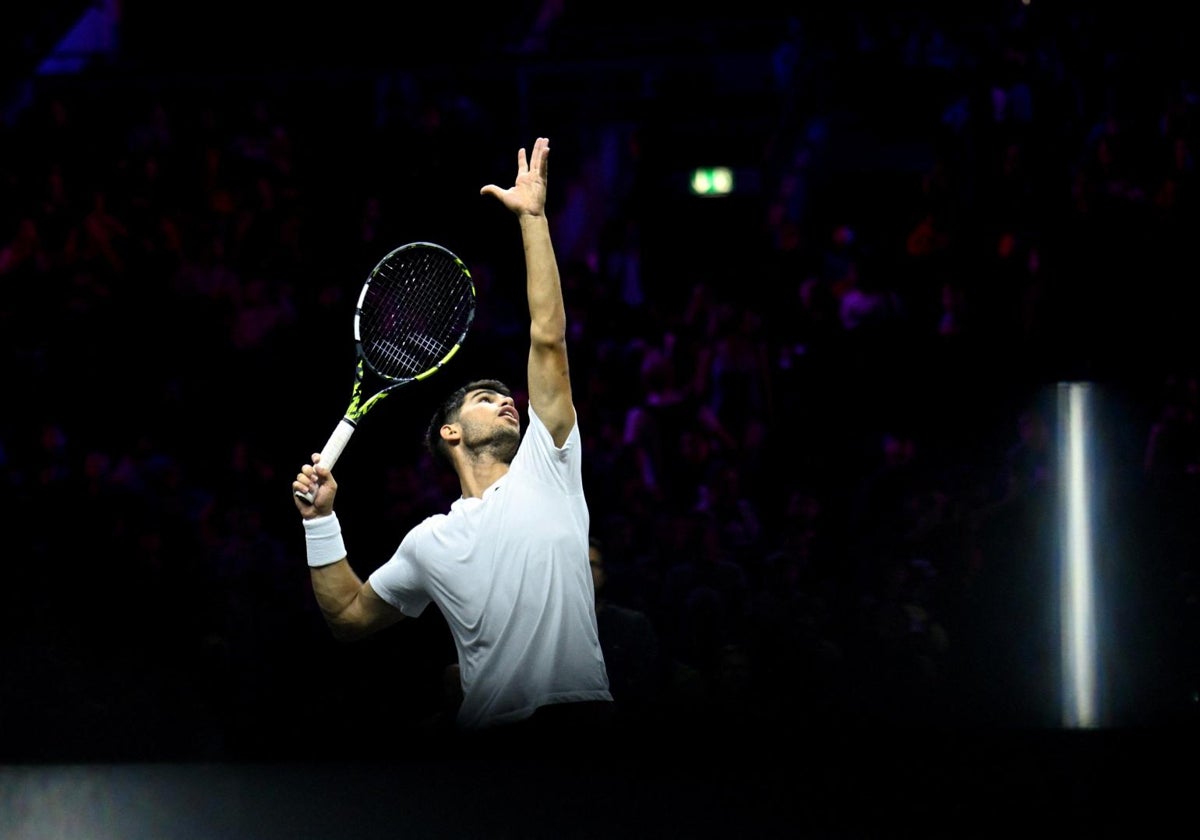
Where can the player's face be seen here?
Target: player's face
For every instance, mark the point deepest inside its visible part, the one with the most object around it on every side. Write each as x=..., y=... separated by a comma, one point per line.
x=490, y=421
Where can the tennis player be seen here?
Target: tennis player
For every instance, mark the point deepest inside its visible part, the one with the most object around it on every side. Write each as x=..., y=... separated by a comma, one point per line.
x=507, y=565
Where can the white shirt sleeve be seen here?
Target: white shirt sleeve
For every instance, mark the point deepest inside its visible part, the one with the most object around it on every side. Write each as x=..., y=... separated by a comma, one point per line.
x=400, y=580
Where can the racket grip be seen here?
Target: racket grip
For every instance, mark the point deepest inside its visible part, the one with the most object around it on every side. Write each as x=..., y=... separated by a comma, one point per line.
x=333, y=448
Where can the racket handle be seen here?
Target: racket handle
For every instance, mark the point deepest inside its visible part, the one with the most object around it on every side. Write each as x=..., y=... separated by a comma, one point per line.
x=333, y=448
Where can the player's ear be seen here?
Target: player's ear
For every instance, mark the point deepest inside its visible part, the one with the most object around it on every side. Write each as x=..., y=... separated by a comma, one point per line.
x=449, y=432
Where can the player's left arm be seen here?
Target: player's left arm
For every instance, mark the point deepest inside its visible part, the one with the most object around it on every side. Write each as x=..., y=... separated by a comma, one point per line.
x=549, y=372
x=549, y=380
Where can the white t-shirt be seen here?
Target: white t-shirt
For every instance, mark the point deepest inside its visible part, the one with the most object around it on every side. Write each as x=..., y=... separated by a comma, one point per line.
x=510, y=573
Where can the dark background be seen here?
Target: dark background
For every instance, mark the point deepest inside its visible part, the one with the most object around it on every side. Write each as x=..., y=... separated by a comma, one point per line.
x=842, y=643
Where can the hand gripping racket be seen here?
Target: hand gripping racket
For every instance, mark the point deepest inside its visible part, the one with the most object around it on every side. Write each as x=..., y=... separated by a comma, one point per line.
x=412, y=316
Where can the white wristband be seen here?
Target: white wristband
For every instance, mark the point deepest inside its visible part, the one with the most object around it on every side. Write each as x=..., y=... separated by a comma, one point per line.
x=323, y=535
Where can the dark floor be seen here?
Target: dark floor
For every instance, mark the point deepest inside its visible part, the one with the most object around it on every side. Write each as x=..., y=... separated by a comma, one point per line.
x=954, y=784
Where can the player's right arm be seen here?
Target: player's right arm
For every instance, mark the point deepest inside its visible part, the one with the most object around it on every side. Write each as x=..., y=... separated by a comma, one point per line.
x=350, y=606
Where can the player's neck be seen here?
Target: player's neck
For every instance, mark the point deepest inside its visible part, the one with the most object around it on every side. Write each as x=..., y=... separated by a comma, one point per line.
x=479, y=475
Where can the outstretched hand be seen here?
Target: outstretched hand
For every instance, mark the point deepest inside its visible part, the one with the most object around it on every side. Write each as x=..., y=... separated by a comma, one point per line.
x=528, y=195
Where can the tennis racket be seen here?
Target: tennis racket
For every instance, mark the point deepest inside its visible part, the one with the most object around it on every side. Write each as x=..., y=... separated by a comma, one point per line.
x=412, y=316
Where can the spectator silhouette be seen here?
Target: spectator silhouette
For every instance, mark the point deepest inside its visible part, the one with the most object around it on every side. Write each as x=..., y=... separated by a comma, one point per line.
x=632, y=650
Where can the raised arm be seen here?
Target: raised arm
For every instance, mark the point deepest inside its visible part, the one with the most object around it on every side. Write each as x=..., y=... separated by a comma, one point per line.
x=549, y=382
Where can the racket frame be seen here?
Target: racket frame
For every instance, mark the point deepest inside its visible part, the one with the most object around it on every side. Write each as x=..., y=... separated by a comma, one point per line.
x=358, y=407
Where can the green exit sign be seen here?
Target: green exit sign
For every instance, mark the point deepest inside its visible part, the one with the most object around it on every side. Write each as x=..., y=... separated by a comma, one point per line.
x=711, y=180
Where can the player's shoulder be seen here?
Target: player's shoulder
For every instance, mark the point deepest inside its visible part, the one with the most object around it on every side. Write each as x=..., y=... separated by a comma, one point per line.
x=426, y=526
x=431, y=522
x=452, y=521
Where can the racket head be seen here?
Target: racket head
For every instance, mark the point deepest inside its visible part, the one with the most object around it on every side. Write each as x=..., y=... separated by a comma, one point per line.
x=414, y=312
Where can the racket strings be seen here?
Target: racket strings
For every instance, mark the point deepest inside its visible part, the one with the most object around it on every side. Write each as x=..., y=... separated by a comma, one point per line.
x=417, y=307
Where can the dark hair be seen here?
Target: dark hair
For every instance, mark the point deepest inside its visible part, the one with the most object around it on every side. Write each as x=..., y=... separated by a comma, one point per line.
x=448, y=411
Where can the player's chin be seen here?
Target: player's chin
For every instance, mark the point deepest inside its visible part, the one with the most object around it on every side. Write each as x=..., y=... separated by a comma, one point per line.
x=506, y=445
x=499, y=443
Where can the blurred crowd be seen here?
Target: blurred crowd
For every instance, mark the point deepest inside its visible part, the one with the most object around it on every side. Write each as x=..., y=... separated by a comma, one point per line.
x=820, y=421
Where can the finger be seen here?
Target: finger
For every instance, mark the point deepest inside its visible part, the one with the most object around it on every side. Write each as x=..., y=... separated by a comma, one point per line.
x=541, y=155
